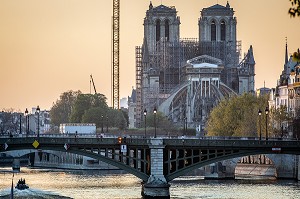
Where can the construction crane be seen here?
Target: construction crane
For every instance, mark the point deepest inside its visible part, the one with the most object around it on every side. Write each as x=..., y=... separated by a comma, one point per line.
x=92, y=81
x=115, y=55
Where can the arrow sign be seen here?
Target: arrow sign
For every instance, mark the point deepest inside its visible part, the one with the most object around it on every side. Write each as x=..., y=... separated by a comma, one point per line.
x=5, y=146
x=66, y=146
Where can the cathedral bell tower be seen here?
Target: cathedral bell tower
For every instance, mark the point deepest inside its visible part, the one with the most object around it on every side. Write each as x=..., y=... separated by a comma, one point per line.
x=217, y=23
x=161, y=23
x=217, y=38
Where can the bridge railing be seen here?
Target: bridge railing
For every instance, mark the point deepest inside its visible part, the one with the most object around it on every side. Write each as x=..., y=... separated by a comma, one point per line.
x=183, y=137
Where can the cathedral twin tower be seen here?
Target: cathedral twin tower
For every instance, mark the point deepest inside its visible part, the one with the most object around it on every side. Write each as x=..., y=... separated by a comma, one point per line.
x=164, y=64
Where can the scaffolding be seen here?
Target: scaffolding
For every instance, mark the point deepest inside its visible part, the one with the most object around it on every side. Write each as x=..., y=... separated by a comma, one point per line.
x=138, y=72
x=165, y=66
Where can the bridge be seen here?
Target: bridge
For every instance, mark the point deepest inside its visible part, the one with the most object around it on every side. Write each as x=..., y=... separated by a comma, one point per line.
x=156, y=161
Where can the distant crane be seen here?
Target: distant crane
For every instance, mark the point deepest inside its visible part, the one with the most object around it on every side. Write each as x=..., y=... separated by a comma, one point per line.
x=115, y=55
x=92, y=82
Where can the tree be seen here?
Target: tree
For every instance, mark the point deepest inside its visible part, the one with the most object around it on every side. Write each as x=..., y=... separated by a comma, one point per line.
x=84, y=102
x=296, y=56
x=162, y=122
x=9, y=121
x=296, y=124
x=61, y=110
x=295, y=9
x=278, y=117
x=116, y=119
x=236, y=116
x=94, y=115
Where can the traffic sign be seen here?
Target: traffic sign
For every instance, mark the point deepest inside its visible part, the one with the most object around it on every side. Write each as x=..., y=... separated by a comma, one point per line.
x=35, y=144
x=66, y=146
x=124, y=148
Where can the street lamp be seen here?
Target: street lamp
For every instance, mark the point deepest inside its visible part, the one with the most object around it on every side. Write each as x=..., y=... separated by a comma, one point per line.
x=106, y=124
x=145, y=115
x=267, y=112
x=20, y=124
x=38, y=126
x=184, y=126
x=101, y=123
x=154, y=112
x=259, y=116
x=26, y=121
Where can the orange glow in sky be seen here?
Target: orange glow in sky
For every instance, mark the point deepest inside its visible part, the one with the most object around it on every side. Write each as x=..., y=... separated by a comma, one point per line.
x=52, y=46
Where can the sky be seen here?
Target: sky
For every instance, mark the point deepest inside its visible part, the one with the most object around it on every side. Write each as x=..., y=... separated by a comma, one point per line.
x=52, y=46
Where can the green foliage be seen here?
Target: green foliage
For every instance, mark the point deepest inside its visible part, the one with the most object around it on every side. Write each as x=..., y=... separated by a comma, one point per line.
x=86, y=108
x=117, y=119
x=296, y=124
x=9, y=121
x=84, y=103
x=126, y=117
x=296, y=56
x=61, y=110
x=236, y=116
x=162, y=122
x=106, y=117
x=94, y=115
x=295, y=9
x=278, y=117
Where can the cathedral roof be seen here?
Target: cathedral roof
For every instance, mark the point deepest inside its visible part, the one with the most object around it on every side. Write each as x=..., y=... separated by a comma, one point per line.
x=205, y=61
x=218, y=10
x=217, y=6
x=162, y=8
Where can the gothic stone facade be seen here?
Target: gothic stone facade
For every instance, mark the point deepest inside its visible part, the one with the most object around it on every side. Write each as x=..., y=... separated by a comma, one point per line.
x=172, y=73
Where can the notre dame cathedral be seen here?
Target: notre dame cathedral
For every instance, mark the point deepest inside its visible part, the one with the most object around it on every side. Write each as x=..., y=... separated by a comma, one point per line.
x=186, y=78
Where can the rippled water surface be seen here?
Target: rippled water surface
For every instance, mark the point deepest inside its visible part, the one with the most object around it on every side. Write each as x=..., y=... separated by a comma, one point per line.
x=50, y=183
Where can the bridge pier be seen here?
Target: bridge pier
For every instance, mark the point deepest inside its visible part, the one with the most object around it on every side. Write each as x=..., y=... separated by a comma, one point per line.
x=298, y=158
x=16, y=165
x=156, y=186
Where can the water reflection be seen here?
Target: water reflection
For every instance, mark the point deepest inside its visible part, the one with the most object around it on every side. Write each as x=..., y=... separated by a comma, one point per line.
x=50, y=183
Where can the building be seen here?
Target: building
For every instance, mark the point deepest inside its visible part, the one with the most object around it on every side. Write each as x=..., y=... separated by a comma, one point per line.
x=185, y=78
x=132, y=109
x=263, y=91
x=41, y=119
x=124, y=103
x=287, y=91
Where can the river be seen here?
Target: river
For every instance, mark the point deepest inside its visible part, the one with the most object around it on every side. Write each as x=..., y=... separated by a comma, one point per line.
x=56, y=183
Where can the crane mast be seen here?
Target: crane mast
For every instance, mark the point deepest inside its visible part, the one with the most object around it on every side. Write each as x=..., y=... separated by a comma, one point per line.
x=116, y=54
x=92, y=80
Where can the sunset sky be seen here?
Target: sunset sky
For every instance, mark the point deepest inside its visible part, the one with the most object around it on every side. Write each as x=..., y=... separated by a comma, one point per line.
x=48, y=47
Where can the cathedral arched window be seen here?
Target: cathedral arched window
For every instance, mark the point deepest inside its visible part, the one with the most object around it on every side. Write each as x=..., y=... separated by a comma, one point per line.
x=223, y=31
x=167, y=30
x=157, y=30
x=213, y=31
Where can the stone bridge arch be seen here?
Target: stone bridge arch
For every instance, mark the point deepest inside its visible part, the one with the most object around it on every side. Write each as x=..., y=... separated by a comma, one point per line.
x=232, y=160
x=112, y=156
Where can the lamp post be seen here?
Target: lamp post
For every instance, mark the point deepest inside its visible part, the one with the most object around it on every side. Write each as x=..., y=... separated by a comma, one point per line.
x=259, y=116
x=145, y=115
x=154, y=112
x=106, y=124
x=38, y=124
x=184, y=126
x=267, y=112
x=20, y=126
x=101, y=123
x=26, y=121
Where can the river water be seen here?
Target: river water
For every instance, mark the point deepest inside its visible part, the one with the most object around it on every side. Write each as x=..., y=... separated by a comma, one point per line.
x=54, y=183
